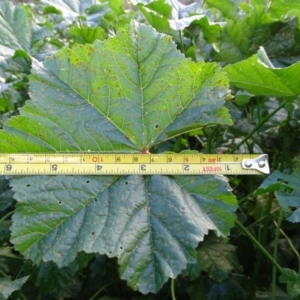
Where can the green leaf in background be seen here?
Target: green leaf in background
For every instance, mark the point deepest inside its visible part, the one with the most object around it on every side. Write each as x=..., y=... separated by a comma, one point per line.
x=70, y=9
x=258, y=76
x=15, y=33
x=241, y=98
x=278, y=9
x=242, y=38
x=287, y=191
x=86, y=34
x=228, y=8
x=283, y=47
x=170, y=16
x=15, y=27
x=8, y=286
x=292, y=279
x=126, y=94
x=52, y=279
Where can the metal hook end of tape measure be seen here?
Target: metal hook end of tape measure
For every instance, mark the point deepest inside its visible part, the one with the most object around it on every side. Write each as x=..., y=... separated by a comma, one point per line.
x=260, y=164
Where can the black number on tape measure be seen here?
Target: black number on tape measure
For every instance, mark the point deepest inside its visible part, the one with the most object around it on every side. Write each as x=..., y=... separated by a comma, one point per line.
x=143, y=167
x=169, y=159
x=118, y=159
x=8, y=167
x=135, y=159
x=98, y=167
x=54, y=167
x=186, y=167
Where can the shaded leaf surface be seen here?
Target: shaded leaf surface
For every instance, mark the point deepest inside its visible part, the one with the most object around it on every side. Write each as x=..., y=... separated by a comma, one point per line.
x=217, y=259
x=122, y=95
x=52, y=279
x=242, y=38
x=292, y=279
x=287, y=191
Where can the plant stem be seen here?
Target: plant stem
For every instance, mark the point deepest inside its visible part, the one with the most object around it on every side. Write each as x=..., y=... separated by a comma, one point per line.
x=291, y=245
x=259, y=124
x=275, y=252
x=6, y=216
x=173, y=289
x=199, y=140
x=2, y=273
x=22, y=296
x=244, y=199
x=208, y=140
x=100, y=290
x=181, y=41
x=258, y=245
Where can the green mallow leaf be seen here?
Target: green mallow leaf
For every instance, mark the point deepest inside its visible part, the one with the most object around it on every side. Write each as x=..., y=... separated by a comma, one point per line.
x=287, y=192
x=126, y=94
x=8, y=286
x=262, y=78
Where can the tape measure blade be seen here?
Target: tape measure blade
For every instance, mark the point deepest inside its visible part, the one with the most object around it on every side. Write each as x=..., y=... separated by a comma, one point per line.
x=141, y=164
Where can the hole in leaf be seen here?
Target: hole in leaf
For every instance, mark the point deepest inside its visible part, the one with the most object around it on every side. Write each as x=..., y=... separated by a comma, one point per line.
x=282, y=181
x=59, y=202
x=286, y=188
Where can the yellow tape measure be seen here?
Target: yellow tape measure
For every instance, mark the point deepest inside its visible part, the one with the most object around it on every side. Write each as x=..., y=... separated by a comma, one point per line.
x=122, y=164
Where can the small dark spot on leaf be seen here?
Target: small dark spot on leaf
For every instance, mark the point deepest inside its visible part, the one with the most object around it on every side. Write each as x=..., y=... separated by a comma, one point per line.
x=95, y=200
x=126, y=182
x=156, y=126
x=121, y=247
x=87, y=181
x=28, y=184
x=59, y=202
x=93, y=233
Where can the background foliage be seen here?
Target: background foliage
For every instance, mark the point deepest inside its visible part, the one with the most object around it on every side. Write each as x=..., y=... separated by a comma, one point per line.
x=258, y=45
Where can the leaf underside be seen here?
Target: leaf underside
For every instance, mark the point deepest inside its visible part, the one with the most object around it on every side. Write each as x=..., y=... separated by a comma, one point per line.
x=122, y=95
